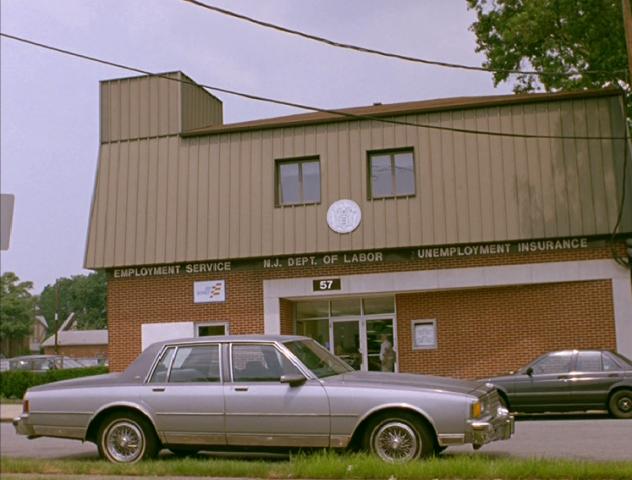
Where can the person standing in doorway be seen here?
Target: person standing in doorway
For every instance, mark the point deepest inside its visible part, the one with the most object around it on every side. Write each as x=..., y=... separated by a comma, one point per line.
x=387, y=354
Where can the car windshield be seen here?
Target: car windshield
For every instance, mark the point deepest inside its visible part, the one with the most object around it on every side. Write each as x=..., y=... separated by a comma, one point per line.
x=318, y=359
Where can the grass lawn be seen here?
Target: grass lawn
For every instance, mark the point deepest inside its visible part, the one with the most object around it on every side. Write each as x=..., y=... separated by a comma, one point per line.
x=330, y=465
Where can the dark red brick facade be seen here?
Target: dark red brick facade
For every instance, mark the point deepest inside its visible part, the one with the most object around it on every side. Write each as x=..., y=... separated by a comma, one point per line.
x=480, y=331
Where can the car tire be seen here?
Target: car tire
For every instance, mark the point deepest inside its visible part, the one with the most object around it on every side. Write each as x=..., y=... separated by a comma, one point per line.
x=620, y=404
x=126, y=438
x=398, y=438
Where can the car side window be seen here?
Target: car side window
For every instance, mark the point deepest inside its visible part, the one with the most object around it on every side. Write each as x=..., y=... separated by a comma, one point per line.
x=609, y=363
x=199, y=363
x=162, y=368
x=588, y=362
x=559, y=362
x=259, y=363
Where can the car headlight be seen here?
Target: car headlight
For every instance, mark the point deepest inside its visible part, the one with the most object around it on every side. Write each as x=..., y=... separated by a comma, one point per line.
x=476, y=409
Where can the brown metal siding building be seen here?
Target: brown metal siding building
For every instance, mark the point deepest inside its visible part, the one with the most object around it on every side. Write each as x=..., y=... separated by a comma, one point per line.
x=484, y=251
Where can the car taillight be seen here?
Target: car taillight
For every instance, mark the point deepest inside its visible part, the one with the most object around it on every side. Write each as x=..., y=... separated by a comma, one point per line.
x=25, y=406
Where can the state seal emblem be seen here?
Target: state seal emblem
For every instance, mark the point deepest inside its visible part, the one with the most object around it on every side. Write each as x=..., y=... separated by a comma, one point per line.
x=344, y=216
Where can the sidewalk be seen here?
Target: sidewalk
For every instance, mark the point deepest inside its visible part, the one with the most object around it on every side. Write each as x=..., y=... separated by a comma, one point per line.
x=8, y=411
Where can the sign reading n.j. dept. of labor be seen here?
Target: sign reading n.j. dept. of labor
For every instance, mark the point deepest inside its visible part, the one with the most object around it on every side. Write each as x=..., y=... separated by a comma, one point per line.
x=344, y=216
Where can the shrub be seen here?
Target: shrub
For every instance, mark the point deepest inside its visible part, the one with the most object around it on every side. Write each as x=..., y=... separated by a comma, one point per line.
x=14, y=383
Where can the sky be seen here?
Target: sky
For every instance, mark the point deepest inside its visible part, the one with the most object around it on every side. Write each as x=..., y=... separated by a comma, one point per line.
x=49, y=102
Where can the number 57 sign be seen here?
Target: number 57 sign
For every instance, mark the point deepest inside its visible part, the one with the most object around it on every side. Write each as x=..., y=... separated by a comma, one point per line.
x=326, y=284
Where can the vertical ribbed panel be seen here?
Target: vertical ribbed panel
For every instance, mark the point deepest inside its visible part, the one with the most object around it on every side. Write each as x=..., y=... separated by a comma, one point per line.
x=142, y=107
x=169, y=199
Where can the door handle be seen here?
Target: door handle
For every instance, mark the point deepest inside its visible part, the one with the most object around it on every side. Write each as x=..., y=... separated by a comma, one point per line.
x=563, y=377
x=241, y=389
x=613, y=375
x=158, y=389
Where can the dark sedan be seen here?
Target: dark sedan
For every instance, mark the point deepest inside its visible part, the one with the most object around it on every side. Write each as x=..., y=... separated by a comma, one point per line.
x=569, y=381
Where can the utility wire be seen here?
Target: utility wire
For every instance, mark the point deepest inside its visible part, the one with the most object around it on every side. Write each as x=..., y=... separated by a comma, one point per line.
x=383, y=53
x=340, y=113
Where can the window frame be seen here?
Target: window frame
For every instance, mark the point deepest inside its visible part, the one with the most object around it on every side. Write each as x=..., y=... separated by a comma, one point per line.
x=211, y=324
x=277, y=180
x=193, y=346
x=273, y=345
x=391, y=152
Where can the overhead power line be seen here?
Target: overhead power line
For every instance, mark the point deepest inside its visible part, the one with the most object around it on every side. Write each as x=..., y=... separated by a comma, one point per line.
x=340, y=113
x=383, y=53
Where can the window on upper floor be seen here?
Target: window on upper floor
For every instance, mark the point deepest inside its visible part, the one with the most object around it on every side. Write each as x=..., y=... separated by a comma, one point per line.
x=392, y=173
x=298, y=181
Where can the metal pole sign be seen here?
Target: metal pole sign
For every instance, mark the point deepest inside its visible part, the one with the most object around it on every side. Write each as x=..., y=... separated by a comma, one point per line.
x=7, y=201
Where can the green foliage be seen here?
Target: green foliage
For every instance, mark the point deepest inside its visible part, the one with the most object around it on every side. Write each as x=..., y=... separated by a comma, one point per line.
x=571, y=36
x=85, y=295
x=16, y=307
x=335, y=466
x=13, y=383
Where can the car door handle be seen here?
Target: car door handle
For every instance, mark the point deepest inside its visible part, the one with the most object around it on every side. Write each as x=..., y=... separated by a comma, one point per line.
x=563, y=377
x=613, y=375
x=158, y=389
x=241, y=389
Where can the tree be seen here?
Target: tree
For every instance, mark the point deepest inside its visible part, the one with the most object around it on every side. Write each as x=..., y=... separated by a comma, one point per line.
x=85, y=295
x=582, y=39
x=17, y=307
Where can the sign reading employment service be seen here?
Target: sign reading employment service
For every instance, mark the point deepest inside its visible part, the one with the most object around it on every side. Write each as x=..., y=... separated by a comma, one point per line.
x=367, y=257
x=209, y=292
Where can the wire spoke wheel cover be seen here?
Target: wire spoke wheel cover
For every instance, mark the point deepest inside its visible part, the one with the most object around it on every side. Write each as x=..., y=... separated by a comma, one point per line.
x=396, y=442
x=124, y=441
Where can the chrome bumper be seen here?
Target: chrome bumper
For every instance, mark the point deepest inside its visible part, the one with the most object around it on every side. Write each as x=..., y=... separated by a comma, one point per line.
x=22, y=427
x=501, y=427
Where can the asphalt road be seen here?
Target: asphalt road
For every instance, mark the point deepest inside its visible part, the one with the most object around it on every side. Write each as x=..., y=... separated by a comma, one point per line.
x=569, y=437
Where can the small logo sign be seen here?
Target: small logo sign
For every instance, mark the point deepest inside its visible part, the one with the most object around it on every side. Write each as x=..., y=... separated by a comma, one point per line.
x=209, y=292
x=344, y=216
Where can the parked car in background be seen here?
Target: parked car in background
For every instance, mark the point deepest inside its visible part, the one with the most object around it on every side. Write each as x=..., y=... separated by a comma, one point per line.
x=4, y=363
x=42, y=363
x=570, y=380
x=262, y=391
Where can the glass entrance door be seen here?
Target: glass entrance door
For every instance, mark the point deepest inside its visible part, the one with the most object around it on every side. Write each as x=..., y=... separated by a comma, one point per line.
x=361, y=331
x=380, y=340
x=346, y=342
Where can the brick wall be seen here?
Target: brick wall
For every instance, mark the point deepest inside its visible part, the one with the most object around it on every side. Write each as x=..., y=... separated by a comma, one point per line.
x=489, y=331
x=133, y=301
x=287, y=317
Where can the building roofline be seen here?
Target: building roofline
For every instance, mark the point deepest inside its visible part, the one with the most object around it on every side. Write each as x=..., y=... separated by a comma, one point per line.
x=398, y=109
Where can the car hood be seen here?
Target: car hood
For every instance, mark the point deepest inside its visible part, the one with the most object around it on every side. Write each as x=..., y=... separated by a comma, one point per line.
x=92, y=381
x=407, y=380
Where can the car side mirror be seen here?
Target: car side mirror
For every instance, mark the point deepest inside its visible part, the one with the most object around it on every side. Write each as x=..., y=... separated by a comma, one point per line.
x=294, y=379
x=529, y=371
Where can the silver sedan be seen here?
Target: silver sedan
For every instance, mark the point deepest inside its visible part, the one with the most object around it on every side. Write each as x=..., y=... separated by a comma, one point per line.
x=262, y=391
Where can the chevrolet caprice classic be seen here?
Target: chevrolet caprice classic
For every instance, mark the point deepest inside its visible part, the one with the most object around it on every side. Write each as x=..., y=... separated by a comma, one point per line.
x=261, y=391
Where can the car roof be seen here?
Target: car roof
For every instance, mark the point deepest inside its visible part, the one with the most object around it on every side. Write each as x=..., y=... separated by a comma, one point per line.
x=233, y=338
